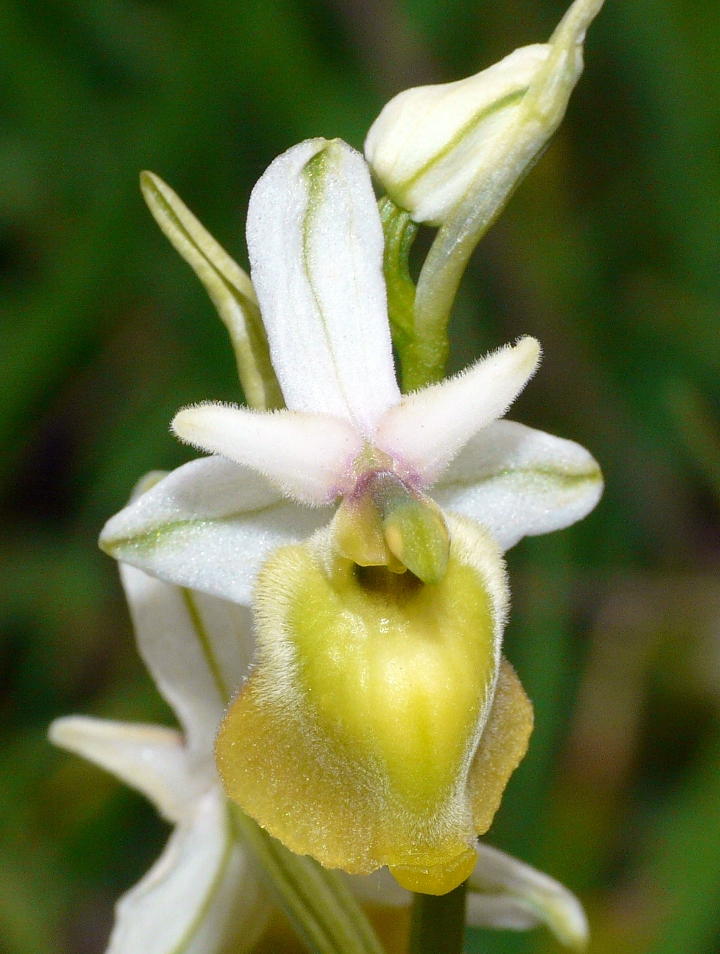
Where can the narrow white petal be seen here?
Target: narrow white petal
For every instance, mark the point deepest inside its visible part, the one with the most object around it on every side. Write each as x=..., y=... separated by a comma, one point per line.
x=150, y=758
x=316, y=247
x=305, y=455
x=506, y=893
x=208, y=526
x=197, y=648
x=517, y=481
x=200, y=897
x=428, y=428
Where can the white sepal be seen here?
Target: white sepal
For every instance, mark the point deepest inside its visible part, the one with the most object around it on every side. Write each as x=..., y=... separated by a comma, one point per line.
x=305, y=455
x=150, y=758
x=517, y=482
x=208, y=526
x=200, y=897
x=198, y=650
x=428, y=143
x=316, y=246
x=428, y=428
x=506, y=893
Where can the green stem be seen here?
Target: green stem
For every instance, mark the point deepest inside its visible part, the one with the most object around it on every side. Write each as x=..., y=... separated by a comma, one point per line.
x=506, y=164
x=438, y=923
x=422, y=351
x=316, y=901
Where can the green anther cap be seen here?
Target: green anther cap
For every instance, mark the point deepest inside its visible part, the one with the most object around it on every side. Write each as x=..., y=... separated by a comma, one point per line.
x=413, y=527
x=385, y=523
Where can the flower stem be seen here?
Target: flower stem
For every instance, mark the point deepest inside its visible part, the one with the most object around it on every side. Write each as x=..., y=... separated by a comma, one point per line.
x=422, y=352
x=438, y=923
x=317, y=902
x=538, y=116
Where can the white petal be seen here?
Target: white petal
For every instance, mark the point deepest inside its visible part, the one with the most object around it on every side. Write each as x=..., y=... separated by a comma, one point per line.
x=518, y=482
x=428, y=428
x=505, y=893
x=198, y=898
x=208, y=526
x=150, y=758
x=305, y=455
x=198, y=650
x=316, y=248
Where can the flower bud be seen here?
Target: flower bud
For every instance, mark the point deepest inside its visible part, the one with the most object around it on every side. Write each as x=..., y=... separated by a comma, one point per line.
x=429, y=143
x=433, y=146
x=379, y=726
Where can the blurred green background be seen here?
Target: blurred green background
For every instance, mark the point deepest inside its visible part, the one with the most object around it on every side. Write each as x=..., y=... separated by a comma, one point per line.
x=608, y=253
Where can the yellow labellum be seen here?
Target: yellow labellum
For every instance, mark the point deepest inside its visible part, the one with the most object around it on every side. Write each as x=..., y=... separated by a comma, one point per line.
x=379, y=726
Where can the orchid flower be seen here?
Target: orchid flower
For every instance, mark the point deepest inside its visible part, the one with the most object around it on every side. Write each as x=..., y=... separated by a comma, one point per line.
x=203, y=895
x=380, y=724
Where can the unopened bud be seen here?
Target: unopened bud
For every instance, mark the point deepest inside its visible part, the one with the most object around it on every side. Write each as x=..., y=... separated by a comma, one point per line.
x=433, y=146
